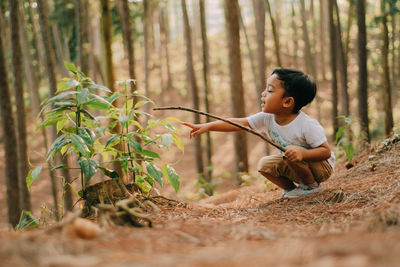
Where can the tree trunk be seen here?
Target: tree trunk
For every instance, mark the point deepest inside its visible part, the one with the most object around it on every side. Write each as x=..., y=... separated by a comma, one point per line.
x=309, y=60
x=332, y=45
x=50, y=69
x=206, y=91
x=38, y=51
x=10, y=139
x=165, y=42
x=107, y=40
x=387, y=91
x=295, y=38
x=59, y=51
x=191, y=80
x=30, y=76
x=314, y=40
x=123, y=9
x=348, y=28
x=109, y=70
x=236, y=83
x=23, y=164
x=322, y=37
x=393, y=50
x=251, y=58
x=344, y=95
x=146, y=24
x=275, y=34
x=82, y=34
x=259, y=11
x=362, y=90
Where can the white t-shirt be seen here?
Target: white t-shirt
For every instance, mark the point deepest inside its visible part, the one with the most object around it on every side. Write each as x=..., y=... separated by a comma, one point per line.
x=302, y=131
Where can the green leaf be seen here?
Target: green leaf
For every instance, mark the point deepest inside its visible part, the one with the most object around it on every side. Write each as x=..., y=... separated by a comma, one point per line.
x=49, y=121
x=150, y=180
x=110, y=173
x=82, y=96
x=148, y=153
x=84, y=111
x=27, y=221
x=55, y=144
x=141, y=103
x=349, y=150
x=88, y=166
x=87, y=135
x=99, y=86
x=115, y=139
x=154, y=172
x=123, y=119
x=135, y=145
x=79, y=144
x=178, y=142
x=71, y=67
x=63, y=96
x=32, y=175
x=167, y=140
x=61, y=123
x=61, y=166
x=171, y=177
x=113, y=97
x=97, y=104
x=339, y=133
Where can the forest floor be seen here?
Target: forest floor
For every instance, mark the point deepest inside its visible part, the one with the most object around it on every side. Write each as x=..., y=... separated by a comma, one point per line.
x=354, y=221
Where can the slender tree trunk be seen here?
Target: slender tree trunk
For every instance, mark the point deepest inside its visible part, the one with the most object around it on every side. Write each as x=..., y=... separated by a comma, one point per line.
x=110, y=77
x=31, y=80
x=275, y=34
x=332, y=45
x=59, y=51
x=387, y=90
x=107, y=40
x=166, y=40
x=50, y=69
x=309, y=61
x=259, y=11
x=232, y=14
x=362, y=90
x=10, y=139
x=295, y=38
x=344, y=95
x=251, y=57
x=322, y=37
x=38, y=51
x=206, y=91
x=191, y=80
x=23, y=164
x=314, y=40
x=146, y=47
x=123, y=9
x=348, y=28
x=82, y=34
x=393, y=50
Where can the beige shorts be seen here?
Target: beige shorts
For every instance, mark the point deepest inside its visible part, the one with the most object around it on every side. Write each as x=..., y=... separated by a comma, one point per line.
x=276, y=166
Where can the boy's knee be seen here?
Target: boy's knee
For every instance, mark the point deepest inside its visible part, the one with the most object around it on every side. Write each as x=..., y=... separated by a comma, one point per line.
x=271, y=165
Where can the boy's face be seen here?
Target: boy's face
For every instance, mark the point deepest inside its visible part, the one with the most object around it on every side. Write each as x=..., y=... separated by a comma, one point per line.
x=272, y=100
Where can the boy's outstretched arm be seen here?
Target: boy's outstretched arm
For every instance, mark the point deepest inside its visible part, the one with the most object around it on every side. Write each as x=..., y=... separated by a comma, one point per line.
x=219, y=126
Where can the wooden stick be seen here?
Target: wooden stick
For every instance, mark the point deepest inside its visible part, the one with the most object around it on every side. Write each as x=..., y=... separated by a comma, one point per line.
x=225, y=120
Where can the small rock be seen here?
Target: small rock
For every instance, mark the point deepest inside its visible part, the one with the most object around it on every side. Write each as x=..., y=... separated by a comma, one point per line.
x=349, y=165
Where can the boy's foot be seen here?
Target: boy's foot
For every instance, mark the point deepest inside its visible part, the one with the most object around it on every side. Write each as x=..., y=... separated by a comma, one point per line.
x=302, y=190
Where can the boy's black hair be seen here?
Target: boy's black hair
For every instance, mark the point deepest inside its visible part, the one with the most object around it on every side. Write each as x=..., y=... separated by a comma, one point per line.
x=297, y=85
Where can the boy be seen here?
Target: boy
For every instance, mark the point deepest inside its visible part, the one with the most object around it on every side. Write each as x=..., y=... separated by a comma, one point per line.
x=308, y=160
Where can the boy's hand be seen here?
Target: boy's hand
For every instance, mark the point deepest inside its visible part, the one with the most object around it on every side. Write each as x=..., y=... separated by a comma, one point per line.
x=197, y=129
x=294, y=153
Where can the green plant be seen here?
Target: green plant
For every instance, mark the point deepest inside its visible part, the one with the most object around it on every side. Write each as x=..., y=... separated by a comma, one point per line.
x=27, y=221
x=116, y=133
x=344, y=137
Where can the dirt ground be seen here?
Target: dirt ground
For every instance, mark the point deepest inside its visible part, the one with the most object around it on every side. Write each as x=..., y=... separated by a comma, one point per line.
x=354, y=221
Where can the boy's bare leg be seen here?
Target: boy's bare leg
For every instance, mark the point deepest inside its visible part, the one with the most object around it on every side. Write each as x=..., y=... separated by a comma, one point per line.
x=282, y=182
x=305, y=174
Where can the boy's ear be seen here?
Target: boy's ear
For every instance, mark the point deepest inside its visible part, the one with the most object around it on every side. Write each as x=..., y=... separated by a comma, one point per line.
x=288, y=102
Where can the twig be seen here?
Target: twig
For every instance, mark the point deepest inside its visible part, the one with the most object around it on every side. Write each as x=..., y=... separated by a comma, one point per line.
x=225, y=120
